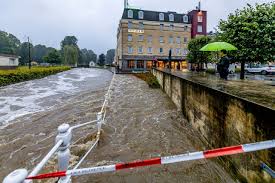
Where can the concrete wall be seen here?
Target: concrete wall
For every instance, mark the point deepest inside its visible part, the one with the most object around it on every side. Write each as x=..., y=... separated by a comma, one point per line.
x=224, y=120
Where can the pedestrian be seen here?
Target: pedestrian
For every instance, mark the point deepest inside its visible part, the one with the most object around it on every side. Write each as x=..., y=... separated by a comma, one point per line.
x=223, y=66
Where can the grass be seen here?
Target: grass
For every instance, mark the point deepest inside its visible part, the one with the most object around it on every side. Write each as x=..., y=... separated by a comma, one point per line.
x=20, y=74
x=149, y=78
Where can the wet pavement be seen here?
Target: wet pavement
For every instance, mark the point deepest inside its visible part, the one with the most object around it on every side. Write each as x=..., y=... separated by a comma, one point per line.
x=141, y=123
x=255, y=88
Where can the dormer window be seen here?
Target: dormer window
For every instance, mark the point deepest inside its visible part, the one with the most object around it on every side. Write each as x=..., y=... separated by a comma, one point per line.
x=161, y=16
x=171, y=18
x=185, y=19
x=130, y=14
x=140, y=14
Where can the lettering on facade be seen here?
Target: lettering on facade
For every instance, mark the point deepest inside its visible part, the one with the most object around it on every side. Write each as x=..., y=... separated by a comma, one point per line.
x=136, y=31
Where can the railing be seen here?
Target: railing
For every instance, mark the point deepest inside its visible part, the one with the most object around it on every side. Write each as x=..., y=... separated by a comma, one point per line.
x=62, y=147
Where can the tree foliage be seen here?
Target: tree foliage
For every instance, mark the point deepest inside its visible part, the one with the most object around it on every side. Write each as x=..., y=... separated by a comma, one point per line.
x=251, y=30
x=86, y=56
x=70, y=55
x=24, y=53
x=101, y=59
x=9, y=44
x=110, y=56
x=53, y=57
x=194, y=46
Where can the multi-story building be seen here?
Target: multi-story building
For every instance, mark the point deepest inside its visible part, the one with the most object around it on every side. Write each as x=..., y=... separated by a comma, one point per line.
x=146, y=37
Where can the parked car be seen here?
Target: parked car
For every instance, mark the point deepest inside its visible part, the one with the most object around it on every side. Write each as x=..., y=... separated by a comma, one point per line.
x=264, y=70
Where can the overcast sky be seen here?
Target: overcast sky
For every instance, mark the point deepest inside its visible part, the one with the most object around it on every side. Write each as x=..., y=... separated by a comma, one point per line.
x=93, y=22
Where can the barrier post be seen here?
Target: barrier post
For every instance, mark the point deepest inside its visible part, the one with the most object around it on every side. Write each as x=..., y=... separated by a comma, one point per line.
x=99, y=123
x=63, y=155
x=17, y=176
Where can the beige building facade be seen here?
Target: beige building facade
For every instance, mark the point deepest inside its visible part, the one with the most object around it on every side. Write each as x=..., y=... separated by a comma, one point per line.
x=147, y=38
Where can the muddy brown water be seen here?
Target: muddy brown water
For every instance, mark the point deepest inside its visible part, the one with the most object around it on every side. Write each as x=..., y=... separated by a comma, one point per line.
x=141, y=123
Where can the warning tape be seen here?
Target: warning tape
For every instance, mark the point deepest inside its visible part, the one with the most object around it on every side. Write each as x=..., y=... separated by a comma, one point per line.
x=164, y=160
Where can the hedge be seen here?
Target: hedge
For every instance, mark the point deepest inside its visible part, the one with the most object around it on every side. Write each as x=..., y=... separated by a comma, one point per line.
x=24, y=74
x=150, y=79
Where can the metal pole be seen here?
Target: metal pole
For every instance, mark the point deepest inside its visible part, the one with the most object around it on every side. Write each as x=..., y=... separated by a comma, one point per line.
x=29, y=50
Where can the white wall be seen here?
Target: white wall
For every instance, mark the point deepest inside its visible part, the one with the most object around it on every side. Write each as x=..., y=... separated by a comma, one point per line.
x=8, y=61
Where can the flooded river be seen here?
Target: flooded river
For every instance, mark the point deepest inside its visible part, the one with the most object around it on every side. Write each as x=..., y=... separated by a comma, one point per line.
x=141, y=123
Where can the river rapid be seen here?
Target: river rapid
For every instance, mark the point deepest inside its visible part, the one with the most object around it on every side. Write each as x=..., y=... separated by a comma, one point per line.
x=141, y=123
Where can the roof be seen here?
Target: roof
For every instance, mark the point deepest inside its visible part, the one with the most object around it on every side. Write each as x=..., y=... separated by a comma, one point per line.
x=8, y=55
x=154, y=16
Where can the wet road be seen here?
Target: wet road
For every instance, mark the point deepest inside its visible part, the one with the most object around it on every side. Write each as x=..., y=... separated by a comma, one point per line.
x=141, y=123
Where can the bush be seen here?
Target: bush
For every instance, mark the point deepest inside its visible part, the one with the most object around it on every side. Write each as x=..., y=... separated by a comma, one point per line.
x=149, y=78
x=24, y=74
x=211, y=71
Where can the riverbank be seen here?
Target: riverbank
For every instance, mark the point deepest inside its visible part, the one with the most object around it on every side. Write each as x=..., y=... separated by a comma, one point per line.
x=21, y=74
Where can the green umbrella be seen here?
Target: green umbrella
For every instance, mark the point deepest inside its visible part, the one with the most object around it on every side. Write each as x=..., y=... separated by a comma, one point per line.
x=218, y=46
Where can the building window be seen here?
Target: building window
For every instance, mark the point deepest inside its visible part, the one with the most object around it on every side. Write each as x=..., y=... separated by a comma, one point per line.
x=199, y=28
x=161, y=50
x=150, y=39
x=171, y=18
x=130, y=49
x=185, y=28
x=130, y=25
x=131, y=64
x=171, y=27
x=178, y=51
x=161, y=39
x=130, y=13
x=171, y=40
x=161, y=16
x=150, y=50
x=12, y=61
x=185, y=19
x=141, y=25
x=140, y=14
x=185, y=51
x=149, y=64
x=130, y=37
x=140, y=64
x=161, y=27
x=140, y=37
x=199, y=18
x=178, y=40
x=140, y=49
x=185, y=39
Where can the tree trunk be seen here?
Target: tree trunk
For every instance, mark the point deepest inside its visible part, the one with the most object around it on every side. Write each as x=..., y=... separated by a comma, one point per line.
x=242, y=69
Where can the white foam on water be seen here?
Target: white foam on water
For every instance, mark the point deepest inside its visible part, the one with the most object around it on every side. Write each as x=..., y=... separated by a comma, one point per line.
x=24, y=98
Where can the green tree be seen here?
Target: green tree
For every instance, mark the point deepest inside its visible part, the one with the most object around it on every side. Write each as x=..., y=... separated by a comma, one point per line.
x=195, y=55
x=251, y=30
x=70, y=55
x=53, y=57
x=110, y=56
x=24, y=53
x=9, y=44
x=101, y=59
x=69, y=40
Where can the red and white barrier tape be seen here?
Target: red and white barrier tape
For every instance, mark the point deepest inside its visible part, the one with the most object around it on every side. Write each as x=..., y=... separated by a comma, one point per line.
x=164, y=160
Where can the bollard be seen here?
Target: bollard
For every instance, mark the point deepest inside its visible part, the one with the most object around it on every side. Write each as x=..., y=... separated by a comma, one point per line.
x=99, y=123
x=63, y=155
x=17, y=176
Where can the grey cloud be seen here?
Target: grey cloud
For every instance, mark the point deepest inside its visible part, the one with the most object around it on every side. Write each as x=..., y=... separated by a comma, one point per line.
x=93, y=22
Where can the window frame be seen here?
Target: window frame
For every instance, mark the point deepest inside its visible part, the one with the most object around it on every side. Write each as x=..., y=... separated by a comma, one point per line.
x=185, y=18
x=130, y=36
x=150, y=50
x=161, y=39
x=171, y=17
x=141, y=15
x=199, y=29
x=141, y=25
x=178, y=40
x=140, y=36
x=130, y=24
x=140, y=51
x=130, y=13
x=161, y=16
x=130, y=50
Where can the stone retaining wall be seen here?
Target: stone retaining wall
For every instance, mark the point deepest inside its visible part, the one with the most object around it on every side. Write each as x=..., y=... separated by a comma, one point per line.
x=222, y=120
